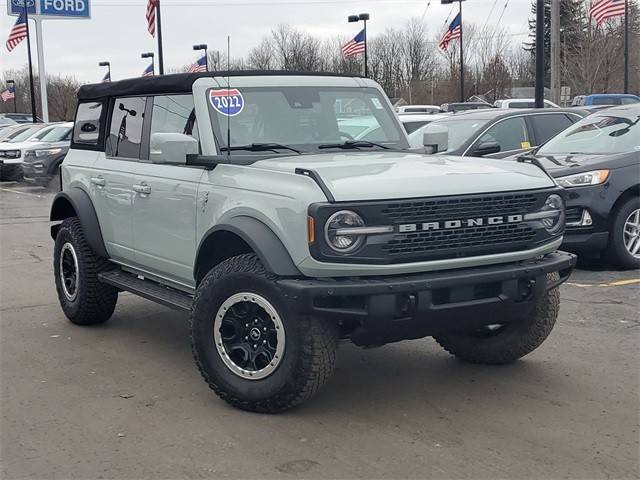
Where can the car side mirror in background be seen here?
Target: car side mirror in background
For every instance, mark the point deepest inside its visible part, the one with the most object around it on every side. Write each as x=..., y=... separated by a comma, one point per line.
x=486, y=148
x=436, y=141
x=171, y=148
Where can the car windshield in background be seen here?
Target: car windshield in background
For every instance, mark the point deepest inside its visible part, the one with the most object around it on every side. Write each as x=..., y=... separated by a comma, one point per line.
x=305, y=118
x=459, y=130
x=56, y=134
x=602, y=134
x=24, y=135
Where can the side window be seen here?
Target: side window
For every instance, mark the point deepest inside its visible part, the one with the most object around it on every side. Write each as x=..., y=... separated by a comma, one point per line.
x=86, y=130
x=125, y=133
x=548, y=126
x=174, y=114
x=510, y=134
x=628, y=100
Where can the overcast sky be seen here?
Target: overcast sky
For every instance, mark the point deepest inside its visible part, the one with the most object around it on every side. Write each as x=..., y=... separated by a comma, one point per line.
x=117, y=30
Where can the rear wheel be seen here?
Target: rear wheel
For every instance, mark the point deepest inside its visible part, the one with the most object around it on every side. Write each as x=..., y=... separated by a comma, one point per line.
x=624, y=241
x=505, y=343
x=251, y=349
x=83, y=298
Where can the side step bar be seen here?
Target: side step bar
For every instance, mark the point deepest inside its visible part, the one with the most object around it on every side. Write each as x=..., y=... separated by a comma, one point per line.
x=167, y=296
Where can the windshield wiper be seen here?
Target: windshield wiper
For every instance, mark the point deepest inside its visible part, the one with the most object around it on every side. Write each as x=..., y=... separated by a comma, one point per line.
x=350, y=144
x=261, y=147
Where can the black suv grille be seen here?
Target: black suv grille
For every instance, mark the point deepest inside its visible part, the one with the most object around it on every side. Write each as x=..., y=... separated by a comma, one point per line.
x=433, y=242
x=459, y=207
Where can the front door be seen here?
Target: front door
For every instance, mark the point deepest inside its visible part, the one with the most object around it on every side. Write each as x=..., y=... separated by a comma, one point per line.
x=165, y=202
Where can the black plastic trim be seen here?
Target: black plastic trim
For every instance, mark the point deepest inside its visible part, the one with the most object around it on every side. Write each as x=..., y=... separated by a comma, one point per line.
x=83, y=208
x=263, y=242
x=313, y=175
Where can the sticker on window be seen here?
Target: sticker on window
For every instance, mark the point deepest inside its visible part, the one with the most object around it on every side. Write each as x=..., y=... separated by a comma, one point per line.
x=376, y=103
x=525, y=145
x=227, y=102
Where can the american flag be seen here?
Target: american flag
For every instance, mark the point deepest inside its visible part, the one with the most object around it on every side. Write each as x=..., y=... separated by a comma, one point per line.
x=151, y=16
x=199, y=66
x=107, y=77
x=148, y=72
x=453, y=32
x=605, y=9
x=354, y=46
x=8, y=94
x=17, y=33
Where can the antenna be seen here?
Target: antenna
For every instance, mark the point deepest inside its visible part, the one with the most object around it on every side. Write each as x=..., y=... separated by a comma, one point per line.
x=228, y=97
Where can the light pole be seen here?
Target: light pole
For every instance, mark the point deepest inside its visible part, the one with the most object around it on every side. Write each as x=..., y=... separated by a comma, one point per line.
x=108, y=65
x=539, y=54
x=203, y=46
x=356, y=18
x=15, y=95
x=150, y=55
x=448, y=2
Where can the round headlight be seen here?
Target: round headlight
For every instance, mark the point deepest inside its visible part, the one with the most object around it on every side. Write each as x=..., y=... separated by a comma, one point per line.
x=339, y=240
x=554, y=221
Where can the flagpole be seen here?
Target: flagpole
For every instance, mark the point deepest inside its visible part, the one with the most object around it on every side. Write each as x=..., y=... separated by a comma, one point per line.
x=461, y=57
x=31, y=86
x=366, y=57
x=159, y=31
x=626, y=46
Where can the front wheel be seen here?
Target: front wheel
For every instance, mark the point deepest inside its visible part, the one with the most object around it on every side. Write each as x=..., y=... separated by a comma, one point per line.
x=251, y=349
x=499, y=344
x=624, y=241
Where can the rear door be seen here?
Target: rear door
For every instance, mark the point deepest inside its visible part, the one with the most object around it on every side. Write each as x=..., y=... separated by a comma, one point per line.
x=164, y=206
x=113, y=176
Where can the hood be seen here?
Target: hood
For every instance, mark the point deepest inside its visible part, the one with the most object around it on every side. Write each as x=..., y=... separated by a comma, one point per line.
x=358, y=176
x=42, y=145
x=566, y=164
x=14, y=146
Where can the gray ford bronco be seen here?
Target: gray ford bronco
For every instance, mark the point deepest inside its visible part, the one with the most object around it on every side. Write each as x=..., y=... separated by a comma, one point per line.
x=285, y=212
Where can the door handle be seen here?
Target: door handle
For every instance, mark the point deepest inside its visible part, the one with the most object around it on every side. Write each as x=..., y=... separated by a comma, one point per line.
x=98, y=181
x=142, y=188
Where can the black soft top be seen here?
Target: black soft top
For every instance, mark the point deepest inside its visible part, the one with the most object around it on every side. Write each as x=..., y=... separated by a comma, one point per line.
x=175, y=83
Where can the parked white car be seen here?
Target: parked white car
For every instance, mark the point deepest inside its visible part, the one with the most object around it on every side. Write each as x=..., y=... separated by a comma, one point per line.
x=429, y=109
x=522, y=103
x=412, y=122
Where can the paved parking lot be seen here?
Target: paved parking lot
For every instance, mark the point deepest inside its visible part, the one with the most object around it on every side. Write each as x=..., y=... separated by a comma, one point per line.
x=124, y=400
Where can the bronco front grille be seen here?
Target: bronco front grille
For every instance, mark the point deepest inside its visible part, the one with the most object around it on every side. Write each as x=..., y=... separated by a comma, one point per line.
x=460, y=240
x=459, y=207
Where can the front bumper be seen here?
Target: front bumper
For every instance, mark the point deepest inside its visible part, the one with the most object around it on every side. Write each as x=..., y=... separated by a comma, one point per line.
x=10, y=170
x=588, y=217
x=387, y=309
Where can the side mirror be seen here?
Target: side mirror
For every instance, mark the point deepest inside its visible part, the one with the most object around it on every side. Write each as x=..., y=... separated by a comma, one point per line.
x=486, y=148
x=436, y=140
x=171, y=148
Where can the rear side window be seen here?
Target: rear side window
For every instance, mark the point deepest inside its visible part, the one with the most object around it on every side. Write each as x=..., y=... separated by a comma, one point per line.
x=548, y=126
x=411, y=127
x=86, y=130
x=125, y=131
x=606, y=101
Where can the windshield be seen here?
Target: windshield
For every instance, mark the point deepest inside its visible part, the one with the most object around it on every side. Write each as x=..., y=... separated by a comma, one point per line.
x=305, y=118
x=601, y=134
x=56, y=134
x=24, y=135
x=459, y=130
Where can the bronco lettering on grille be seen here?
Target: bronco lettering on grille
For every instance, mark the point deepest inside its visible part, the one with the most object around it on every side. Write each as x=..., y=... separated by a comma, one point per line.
x=451, y=224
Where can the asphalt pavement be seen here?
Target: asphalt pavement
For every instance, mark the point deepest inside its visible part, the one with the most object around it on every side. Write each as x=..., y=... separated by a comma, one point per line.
x=125, y=400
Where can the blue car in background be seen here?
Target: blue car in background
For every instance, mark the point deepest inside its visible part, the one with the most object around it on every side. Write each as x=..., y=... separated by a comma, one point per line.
x=605, y=99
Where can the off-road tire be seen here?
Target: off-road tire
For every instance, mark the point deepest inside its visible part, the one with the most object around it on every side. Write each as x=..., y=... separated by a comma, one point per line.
x=95, y=301
x=513, y=341
x=617, y=253
x=310, y=348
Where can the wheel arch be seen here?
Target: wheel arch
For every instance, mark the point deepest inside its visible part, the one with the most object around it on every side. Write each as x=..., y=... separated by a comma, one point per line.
x=243, y=235
x=630, y=192
x=75, y=202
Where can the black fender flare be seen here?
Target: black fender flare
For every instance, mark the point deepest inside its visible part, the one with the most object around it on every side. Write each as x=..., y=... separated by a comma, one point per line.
x=76, y=202
x=262, y=240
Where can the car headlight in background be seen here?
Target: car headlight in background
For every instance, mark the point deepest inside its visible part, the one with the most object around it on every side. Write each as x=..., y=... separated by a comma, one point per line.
x=11, y=154
x=47, y=152
x=595, y=177
x=551, y=215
